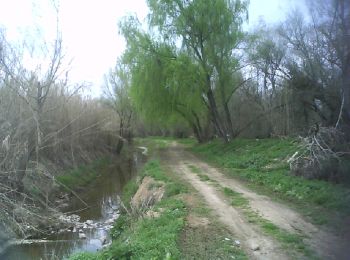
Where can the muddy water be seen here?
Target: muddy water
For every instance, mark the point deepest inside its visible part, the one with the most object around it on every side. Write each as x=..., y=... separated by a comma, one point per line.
x=101, y=196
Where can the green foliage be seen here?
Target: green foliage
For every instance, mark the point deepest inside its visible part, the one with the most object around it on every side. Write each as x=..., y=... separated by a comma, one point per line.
x=171, y=83
x=128, y=191
x=163, y=87
x=83, y=175
x=264, y=163
x=84, y=256
x=116, y=96
x=121, y=224
x=210, y=31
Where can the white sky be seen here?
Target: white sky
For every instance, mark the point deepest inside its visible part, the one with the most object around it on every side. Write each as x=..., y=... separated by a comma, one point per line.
x=90, y=32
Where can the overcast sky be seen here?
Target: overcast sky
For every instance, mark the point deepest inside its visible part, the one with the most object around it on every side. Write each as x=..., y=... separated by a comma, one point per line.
x=90, y=32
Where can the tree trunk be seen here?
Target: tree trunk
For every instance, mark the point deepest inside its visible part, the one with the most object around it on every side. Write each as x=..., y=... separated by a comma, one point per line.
x=345, y=27
x=228, y=119
x=215, y=116
x=346, y=110
x=121, y=136
x=197, y=133
x=120, y=146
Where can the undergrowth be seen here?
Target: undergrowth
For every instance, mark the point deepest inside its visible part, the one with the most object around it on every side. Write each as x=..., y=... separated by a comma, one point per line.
x=83, y=175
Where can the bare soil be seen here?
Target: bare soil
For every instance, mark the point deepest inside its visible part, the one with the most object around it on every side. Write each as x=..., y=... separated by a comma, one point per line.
x=324, y=243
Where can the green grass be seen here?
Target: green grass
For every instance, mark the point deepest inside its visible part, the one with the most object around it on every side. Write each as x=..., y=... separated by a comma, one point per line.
x=83, y=175
x=128, y=191
x=174, y=188
x=236, y=198
x=166, y=236
x=83, y=256
x=151, y=238
x=196, y=170
x=187, y=141
x=204, y=177
x=263, y=163
x=153, y=169
x=148, y=238
x=288, y=240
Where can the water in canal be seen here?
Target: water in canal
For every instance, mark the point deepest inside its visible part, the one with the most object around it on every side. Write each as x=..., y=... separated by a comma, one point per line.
x=102, y=198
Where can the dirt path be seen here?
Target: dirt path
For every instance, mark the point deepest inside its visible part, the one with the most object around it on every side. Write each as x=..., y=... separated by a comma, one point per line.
x=325, y=244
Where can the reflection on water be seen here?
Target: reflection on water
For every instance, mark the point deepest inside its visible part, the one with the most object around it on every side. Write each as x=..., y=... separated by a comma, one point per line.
x=101, y=196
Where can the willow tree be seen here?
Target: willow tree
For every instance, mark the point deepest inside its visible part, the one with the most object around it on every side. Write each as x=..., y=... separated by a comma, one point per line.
x=164, y=81
x=210, y=32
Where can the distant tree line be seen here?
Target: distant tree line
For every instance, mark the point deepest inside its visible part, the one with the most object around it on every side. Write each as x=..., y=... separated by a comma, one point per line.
x=196, y=65
x=196, y=71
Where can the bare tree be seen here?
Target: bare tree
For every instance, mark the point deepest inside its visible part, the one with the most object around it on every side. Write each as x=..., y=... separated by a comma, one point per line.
x=117, y=84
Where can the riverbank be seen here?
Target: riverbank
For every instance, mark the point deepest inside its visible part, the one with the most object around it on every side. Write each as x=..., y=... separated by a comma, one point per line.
x=89, y=212
x=208, y=212
x=179, y=226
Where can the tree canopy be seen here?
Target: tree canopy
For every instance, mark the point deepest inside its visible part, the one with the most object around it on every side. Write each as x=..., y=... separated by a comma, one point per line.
x=185, y=65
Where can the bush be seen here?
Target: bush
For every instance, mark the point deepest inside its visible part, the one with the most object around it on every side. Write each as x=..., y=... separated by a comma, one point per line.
x=322, y=156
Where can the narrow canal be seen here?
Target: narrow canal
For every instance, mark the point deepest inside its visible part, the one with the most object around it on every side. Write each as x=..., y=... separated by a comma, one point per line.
x=95, y=220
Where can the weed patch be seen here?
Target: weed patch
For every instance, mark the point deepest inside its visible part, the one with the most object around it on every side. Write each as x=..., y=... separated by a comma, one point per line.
x=83, y=175
x=196, y=170
x=153, y=169
x=174, y=188
x=203, y=177
x=236, y=198
x=151, y=238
